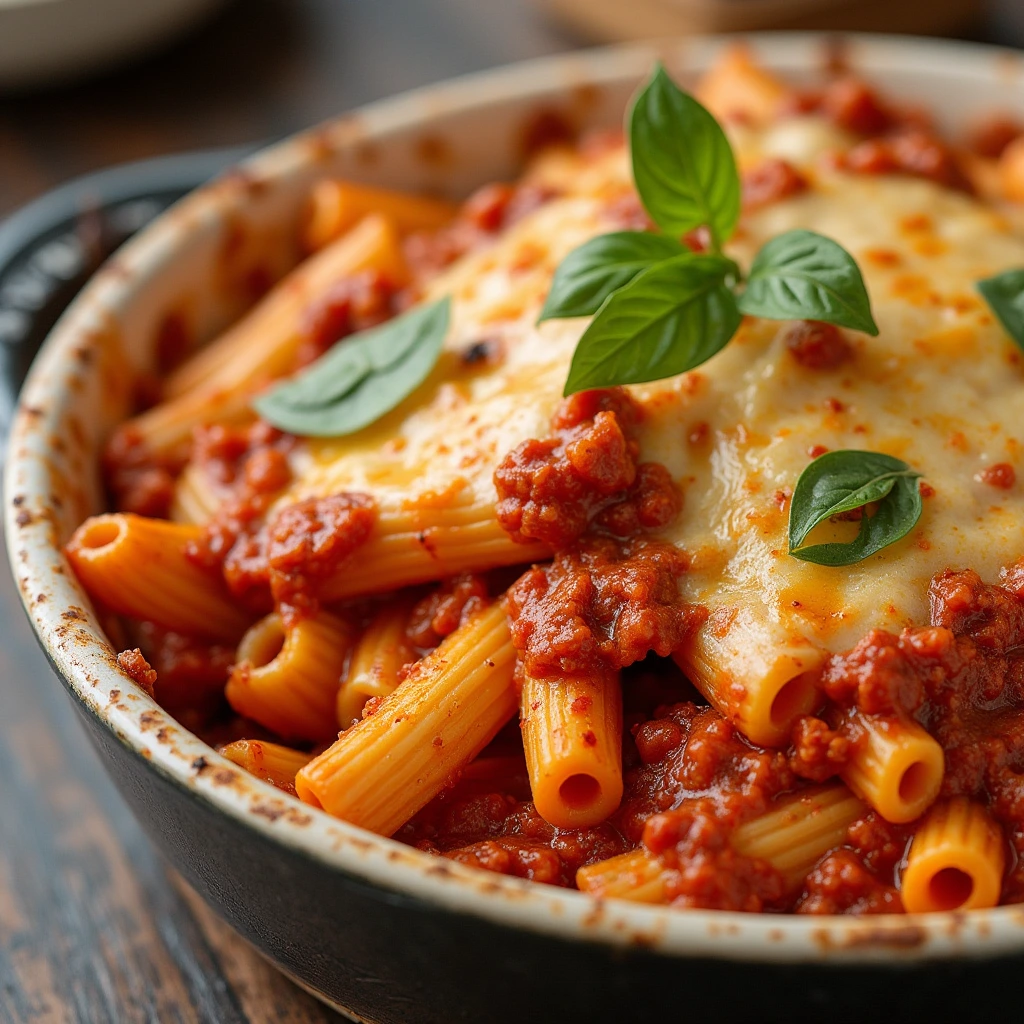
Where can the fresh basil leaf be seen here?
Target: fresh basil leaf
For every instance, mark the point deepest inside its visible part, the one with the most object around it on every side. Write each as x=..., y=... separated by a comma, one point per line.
x=841, y=481
x=801, y=275
x=589, y=274
x=361, y=378
x=1005, y=295
x=671, y=318
x=683, y=165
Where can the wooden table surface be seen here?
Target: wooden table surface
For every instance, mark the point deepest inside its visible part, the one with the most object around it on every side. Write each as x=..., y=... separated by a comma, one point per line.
x=93, y=927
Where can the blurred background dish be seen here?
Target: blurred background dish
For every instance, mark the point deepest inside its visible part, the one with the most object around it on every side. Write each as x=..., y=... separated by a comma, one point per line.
x=49, y=40
x=640, y=19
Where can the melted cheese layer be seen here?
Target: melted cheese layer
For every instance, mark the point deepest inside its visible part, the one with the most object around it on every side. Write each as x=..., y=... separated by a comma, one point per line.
x=941, y=387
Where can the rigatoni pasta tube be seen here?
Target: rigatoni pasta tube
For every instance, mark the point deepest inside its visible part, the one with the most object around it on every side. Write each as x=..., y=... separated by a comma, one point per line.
x=897, y=767
x=287, y=674
x=760, y=679
x=799, y=830
x=388, y=766
x=956, y=860
x=792, y=836
x=406, y=548
x=264, y=341
x=268, y=761
x=376, y=659
x=572, y=735
x=215, y=386
x=737, y=87
x=335, y=206
x=196, y=499
x=137, y=567
x=637, y=876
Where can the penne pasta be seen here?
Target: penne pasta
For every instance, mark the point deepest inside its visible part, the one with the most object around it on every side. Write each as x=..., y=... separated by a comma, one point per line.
x=384, y=769
x=137, y=566
x=216, y=384
x=779, y=521
x=337, y=206
x=195, y=499
x=405, y=549
x=956, y=860
x=271, y=762
x=760, y=681
x=897, y=769
x=376, y=659
x=637, y=876
x=799, y=830
x=572, y=734
x=737, y=88
x=287, y=674
x=793, y=836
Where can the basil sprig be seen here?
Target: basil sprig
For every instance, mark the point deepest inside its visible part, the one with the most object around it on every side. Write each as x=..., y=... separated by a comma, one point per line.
x=651, y=322
x=674, y=316
x=842, y=481
x=802, y=275
x=683, y=165
x=589, y=274
x=1005, y=295
x=361, y=378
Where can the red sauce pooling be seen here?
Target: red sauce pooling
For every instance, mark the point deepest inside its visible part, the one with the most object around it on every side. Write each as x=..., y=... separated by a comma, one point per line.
x=286, y=557
x=963, y=680
x=853, y=105
x=586, y=474
x=770, y=181
x=816, y=345
x=190, y=673
x=307, y=541
x=488, y=211
x=442, y=611
x=691, y=779
x=137, y=481
x=916, y=153
x=602, y=606
x=990, y=138
x=1001, y=475
x=355, y=303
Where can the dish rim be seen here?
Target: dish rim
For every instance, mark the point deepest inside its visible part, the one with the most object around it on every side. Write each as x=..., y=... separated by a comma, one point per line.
x=61, y=614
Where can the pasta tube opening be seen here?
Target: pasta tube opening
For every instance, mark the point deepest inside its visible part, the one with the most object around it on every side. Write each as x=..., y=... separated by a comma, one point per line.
x=956, y=860
x=287, y=676
x=898, y=768
x=572, y=734
x=263, y=643
x=137, y=567
x=794, y=698
x=760, y=681
x=100, y=532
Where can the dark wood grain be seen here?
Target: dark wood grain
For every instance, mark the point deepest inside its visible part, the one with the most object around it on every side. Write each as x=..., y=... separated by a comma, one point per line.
x=92, y=927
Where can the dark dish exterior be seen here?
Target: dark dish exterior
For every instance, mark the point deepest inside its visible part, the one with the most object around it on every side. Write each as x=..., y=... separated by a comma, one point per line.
x=381, y=930
x=390, y=958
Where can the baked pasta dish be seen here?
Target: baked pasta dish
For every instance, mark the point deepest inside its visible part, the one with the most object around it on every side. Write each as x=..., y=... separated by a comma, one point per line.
x=648, y=525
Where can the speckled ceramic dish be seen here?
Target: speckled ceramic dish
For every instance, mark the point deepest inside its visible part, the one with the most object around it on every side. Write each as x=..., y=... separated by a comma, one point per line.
x=381, y=930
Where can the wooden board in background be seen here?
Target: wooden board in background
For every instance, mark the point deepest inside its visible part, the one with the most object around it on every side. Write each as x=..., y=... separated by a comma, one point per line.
x=610, y=20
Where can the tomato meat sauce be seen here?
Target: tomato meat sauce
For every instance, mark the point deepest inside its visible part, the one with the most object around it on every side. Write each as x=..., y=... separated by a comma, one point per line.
x=609, y=599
